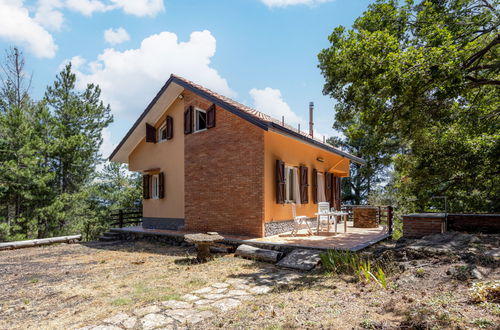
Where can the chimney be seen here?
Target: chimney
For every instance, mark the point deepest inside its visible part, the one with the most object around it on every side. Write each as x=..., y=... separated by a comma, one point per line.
x=311, y=123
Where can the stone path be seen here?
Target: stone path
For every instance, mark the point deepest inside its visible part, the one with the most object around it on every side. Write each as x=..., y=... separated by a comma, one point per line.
x=198, y=305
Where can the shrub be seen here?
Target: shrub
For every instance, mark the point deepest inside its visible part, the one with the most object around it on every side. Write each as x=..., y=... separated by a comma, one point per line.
x=350, y=263
x=486, y=292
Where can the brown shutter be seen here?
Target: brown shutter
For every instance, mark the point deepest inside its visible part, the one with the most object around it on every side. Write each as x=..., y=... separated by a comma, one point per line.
x=170, y=127
x=145, y=186
x=188, y=120
x=211, y=116
x=150, y=133
x=304, y=185
x=315, y=186
x=329, y=188
x=280, y=182
x=161, y=185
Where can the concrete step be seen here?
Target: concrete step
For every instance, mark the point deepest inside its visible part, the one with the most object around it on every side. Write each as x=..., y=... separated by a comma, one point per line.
x=300, y=259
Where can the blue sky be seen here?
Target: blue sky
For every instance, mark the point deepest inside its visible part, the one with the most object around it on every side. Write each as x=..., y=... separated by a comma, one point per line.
x=262, y=53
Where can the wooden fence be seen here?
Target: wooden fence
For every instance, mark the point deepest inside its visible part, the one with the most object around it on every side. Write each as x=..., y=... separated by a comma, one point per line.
x=124, y=217
x=385, y=215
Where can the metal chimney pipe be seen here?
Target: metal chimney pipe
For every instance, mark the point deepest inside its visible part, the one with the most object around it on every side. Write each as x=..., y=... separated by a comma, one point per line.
x=311, y=122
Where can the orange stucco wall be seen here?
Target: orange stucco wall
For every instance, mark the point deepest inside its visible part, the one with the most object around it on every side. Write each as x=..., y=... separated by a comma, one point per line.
x=294, y=153
x=168, y=156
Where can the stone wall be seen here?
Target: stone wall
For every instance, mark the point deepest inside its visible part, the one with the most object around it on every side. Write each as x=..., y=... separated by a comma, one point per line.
x=365, y=217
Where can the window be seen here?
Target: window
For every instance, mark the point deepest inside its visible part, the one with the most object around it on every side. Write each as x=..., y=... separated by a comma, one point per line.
x=162, y=133
x=289, y=180
x=200, y=120
x=155, y=191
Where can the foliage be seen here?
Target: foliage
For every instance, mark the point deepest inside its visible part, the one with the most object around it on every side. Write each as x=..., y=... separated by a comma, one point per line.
x=345, y=262
x=424, y=75
x=49, y=151
x=485, y=292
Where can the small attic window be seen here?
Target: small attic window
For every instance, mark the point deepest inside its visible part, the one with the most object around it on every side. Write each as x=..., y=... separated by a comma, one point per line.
x=200, y=120
x=162, y=133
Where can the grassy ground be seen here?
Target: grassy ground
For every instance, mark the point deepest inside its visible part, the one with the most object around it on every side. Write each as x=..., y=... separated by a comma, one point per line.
x=66, y=286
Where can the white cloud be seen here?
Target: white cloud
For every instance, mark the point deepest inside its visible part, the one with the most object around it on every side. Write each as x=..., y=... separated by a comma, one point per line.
x=116, y=36
x=48, y=14
x=130, y=79
x=140, y=7
x=286, y=3
x=107, y=145
x=18, y=27
x=270, y=101
x=87, y=7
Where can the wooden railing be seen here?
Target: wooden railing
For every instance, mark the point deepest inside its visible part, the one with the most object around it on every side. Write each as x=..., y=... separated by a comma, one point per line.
x=124, y=217
x=385, y=215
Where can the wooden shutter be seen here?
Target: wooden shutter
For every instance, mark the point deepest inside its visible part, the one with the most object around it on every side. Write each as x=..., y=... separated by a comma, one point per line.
x=170, y=127
x=188, y=120
x=161, y=185
x=329, y=188
x=145, y=186
x=211, y=116
x=150, y=133
x=315, y=186
x=304, y=185
x=280, y=182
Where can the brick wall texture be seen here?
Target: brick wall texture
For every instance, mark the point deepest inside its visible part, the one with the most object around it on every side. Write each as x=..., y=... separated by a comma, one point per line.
x=365, y=217
x=485, y=223
x=224, y=175
x=419, y=226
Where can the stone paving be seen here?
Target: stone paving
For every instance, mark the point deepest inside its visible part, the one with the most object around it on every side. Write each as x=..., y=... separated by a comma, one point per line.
x=198, y=305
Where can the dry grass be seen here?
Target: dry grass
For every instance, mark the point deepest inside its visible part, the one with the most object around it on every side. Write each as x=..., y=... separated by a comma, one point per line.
x=64, y=286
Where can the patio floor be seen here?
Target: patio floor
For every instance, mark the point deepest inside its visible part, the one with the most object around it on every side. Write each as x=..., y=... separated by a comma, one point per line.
x=354, y=240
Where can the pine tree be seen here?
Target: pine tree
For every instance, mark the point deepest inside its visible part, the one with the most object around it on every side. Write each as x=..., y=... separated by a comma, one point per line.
x=80, y=118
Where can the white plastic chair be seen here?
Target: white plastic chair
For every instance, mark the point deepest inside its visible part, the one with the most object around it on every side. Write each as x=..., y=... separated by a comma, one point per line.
x=298, y=221
x=323, y=207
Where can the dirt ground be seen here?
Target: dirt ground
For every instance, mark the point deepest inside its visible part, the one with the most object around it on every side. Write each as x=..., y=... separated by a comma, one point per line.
x=69, y=286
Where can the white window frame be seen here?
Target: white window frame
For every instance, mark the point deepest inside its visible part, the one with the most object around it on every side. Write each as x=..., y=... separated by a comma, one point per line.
x=155, y=186
x=162, y=128
x=289, y=197
x=195, y=121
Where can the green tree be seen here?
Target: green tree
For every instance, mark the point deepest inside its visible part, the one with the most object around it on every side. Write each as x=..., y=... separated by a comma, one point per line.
x=80, y=118
x=24, y=177
x=425, y=74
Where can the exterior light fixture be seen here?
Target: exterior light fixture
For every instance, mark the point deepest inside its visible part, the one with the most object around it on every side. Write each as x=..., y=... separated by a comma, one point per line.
x=320, y=159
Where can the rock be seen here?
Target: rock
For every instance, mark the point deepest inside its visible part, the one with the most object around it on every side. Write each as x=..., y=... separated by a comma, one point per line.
x=203, y=290
x=203, y=302
x=241, y=286
x=300, y=259
x=476, y=274
x=237, y=293
x=219, y=290
x=495, y=253
x=152, y=321
x=106, y=327
x=198, y=317
x=214, y=296
x=261, y=289
x=175, y=304
x=220, y=285
x=116, y=319
x=226, y=304
x=189, y=297
x=129, y=323
x=181, y=315
x=147, y=310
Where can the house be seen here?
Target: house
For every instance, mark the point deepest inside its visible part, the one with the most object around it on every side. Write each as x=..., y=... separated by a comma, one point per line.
x=212, y=164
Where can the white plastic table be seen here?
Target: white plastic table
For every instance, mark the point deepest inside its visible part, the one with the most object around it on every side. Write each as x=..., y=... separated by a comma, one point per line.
x=333, y=214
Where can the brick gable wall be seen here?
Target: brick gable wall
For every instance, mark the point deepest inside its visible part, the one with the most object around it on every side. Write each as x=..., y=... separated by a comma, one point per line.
x=224, y=175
